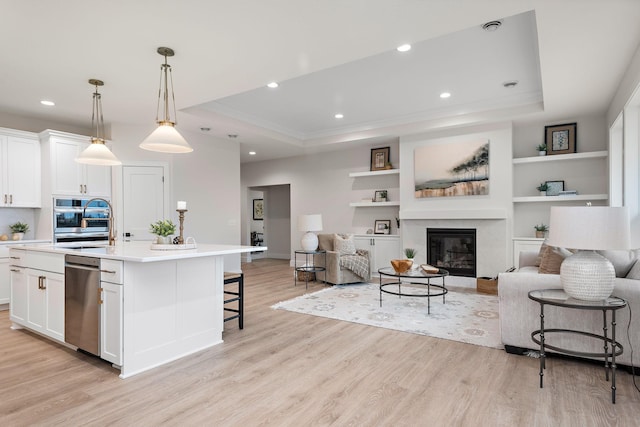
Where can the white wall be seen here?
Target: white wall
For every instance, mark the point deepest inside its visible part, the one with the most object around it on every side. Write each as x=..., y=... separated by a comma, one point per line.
x=277, y=221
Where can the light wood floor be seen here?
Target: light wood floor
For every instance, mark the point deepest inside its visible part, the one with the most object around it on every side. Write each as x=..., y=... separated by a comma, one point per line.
x=288, y=369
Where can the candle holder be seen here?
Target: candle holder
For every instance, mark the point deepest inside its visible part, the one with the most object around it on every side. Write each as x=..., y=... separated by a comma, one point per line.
x=181, y=218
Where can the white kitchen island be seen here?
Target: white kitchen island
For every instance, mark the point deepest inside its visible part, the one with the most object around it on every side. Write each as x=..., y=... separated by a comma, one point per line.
x=158, y=306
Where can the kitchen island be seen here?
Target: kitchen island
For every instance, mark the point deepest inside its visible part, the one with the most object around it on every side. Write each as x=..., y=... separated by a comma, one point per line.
x=156, y=305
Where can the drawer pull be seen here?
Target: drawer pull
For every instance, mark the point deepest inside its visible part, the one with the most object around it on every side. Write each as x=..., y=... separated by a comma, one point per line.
x=108, y=271
x=15, y=257
x=15, y=270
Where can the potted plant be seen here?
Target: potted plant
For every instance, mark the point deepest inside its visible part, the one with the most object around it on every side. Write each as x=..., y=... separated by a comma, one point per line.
x=410, y=253
x=163, y=229
x=541, y=230
x=18, y=229
x=542, y=188
x=542, y=149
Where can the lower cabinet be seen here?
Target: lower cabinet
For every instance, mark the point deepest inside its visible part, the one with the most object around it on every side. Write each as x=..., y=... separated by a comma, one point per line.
x=382, y=249
x=45, y=303
x=18, y=304
x=111, y=323
x=5, y=276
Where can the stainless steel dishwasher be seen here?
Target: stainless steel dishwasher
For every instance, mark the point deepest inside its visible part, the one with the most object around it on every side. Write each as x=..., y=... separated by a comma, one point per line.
x=82, y=303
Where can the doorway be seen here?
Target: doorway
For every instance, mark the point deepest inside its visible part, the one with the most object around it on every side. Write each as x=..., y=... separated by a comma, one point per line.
x=275, y=226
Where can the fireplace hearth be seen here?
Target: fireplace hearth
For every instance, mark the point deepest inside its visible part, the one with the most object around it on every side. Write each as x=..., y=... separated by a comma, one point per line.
x=453, y=249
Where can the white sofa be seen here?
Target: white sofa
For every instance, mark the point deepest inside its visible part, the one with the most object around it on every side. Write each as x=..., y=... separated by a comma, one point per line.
x=519, y=316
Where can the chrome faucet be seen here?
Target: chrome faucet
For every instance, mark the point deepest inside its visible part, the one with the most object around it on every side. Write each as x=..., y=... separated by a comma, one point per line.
x=83, y=223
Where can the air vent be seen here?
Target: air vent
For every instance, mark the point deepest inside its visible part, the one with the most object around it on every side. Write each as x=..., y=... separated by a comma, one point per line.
x=492, y=25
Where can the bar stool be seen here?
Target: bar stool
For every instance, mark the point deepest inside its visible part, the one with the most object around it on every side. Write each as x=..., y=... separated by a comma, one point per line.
x=235, y=296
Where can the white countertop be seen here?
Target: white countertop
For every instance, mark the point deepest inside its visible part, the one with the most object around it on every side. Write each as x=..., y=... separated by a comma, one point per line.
x=22, y=242
x=139, y=251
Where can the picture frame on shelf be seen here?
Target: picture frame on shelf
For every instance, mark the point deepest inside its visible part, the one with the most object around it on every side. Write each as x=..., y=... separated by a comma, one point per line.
x=560, y=139
x=258, y=209
x=382, y=226
x=380, y=196
x=554, y=187
x=380, y=158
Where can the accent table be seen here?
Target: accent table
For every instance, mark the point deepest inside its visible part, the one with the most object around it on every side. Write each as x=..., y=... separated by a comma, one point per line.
x=308, y=267
x=612, y=348
x=414, y=274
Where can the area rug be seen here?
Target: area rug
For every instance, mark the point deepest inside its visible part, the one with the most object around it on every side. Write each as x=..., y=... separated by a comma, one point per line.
x=465, y=316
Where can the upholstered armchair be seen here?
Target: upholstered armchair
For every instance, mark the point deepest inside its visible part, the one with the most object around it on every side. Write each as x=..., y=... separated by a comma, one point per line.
x=335, y=273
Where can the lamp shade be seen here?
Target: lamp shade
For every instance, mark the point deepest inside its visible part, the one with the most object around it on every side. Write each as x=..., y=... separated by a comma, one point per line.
x=589, y=227
x=98, y=154
x=166, y=139
x=310, y=222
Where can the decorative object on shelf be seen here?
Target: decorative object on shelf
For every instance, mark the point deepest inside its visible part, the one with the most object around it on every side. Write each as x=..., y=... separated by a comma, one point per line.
x=382, y=226
x=452, y=169
x=587, y=275
x=163, y=229
x=542, y=149
x=542, y=188
x=429, y=269
x=97, y=152
x=370, y=231
x=398, y=222
x=568, y=193
x=166, y=138
x=380, y=196
x=401, y=265
x=182, y=208
x=308, y=224
x=18, y=229
x=541, y=230
x=189, y=243
x=554, y=187
x=380, y=158
x=560, y=139
x=258, y=209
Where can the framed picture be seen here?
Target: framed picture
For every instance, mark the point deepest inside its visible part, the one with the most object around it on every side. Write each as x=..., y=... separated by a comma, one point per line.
x=258, y=209
x=382, y=226
x=554, y=187
x=560, y=139
x=380, y=196
x=380, y=158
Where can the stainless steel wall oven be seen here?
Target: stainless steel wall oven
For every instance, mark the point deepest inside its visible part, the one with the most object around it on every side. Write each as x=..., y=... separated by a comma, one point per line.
x=67, y=218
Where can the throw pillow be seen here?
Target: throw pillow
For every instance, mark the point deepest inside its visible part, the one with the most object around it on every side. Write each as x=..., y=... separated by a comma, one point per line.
x=634, y=273
x=344, y=244
x=543, y=248
x=552, y=259
x=622, y=260
x=325, y=242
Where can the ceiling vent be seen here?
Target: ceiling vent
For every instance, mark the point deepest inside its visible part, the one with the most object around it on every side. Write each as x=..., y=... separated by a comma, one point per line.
x=492, y=25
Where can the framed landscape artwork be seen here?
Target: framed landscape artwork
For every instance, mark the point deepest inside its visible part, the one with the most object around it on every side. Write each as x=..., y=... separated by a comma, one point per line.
x=258, y=209
x=560, y=139
x=452, y=169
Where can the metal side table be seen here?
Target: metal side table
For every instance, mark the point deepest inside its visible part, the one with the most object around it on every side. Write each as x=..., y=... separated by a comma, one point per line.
x=309, y=265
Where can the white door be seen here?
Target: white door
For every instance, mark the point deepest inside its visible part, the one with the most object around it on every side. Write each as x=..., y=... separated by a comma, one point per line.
x=143, y=200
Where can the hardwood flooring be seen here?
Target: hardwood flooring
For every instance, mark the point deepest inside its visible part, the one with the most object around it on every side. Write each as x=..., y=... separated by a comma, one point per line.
x=288, y=369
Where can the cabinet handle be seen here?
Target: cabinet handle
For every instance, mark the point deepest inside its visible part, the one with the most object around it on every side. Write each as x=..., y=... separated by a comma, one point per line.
x=100, y=297
x=41, y=282
x=108, y=271
x=10, y=199
x=15, y=270
x=5, y=199
x=15, y=257
x=85, y=188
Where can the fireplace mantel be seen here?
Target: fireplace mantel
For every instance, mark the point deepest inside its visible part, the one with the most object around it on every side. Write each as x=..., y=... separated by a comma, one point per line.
x=455, y=214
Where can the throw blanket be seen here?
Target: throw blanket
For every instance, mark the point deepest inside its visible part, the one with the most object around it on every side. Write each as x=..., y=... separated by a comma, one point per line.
x=358, y=263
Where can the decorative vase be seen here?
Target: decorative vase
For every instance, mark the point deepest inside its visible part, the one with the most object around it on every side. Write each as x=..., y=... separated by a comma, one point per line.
x=542, y=153
x=540, y=234
x=543, y=193
x=163, y=240
x=17, y=236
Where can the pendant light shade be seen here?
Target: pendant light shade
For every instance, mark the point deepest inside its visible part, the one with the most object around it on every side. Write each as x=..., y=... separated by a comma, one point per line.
x=166, y=138
x=97, y=152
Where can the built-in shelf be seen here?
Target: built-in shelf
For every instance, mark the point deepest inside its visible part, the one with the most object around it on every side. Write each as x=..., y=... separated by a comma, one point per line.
x=375, y=173
x=372, y=204
x=554, y=199
x=557, y=157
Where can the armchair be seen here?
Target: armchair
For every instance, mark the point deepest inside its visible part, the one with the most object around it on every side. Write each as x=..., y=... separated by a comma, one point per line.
x=335, y=274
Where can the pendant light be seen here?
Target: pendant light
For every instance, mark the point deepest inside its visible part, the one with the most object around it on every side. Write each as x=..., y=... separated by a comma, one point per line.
x=97, y=153
x=166, y=139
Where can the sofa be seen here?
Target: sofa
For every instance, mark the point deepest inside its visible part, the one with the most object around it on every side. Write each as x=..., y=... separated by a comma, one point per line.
x=519, y=316
x=337, y=270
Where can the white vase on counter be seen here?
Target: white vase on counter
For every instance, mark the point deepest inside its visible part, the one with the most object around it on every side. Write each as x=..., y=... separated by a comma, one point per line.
x=17, y=236
x=163, y=240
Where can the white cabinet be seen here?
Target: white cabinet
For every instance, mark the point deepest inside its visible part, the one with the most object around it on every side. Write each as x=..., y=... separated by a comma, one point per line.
x=20, y=171
x=111, y=311
x=68, y=177
x=382, y=249
x=5, y=276
x=37, y=292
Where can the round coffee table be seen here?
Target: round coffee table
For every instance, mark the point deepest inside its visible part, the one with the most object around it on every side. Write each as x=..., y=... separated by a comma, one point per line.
x=413, y=274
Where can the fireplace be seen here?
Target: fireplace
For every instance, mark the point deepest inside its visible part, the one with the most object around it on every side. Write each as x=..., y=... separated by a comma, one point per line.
x=453, y=249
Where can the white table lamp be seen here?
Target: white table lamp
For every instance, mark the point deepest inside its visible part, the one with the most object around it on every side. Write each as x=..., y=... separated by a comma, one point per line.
x=309, y=224
x=587, y=275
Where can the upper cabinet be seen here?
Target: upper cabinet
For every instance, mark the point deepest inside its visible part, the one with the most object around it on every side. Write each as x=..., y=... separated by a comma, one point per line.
x=20, y=171
x=68, y=177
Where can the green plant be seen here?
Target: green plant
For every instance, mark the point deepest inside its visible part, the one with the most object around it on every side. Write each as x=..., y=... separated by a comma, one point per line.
x=19, y=227
x=163, y=228
x=541, y=147
x=541, y=227
x=543, y=186
x=410, y=252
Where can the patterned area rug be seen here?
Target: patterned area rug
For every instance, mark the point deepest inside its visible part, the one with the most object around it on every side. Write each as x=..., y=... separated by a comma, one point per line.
x=465, y=316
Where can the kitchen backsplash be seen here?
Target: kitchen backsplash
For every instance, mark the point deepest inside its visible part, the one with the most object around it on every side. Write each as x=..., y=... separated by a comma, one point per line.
x=10, y=216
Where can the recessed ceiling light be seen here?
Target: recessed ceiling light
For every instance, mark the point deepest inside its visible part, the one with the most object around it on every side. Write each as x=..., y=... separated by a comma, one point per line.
x=273, y=85
x=339, y=116
x=510, y=84
x=47, y=103
x=444, y=95
x=252, y=153
x=404, y=48
x=492, y=25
